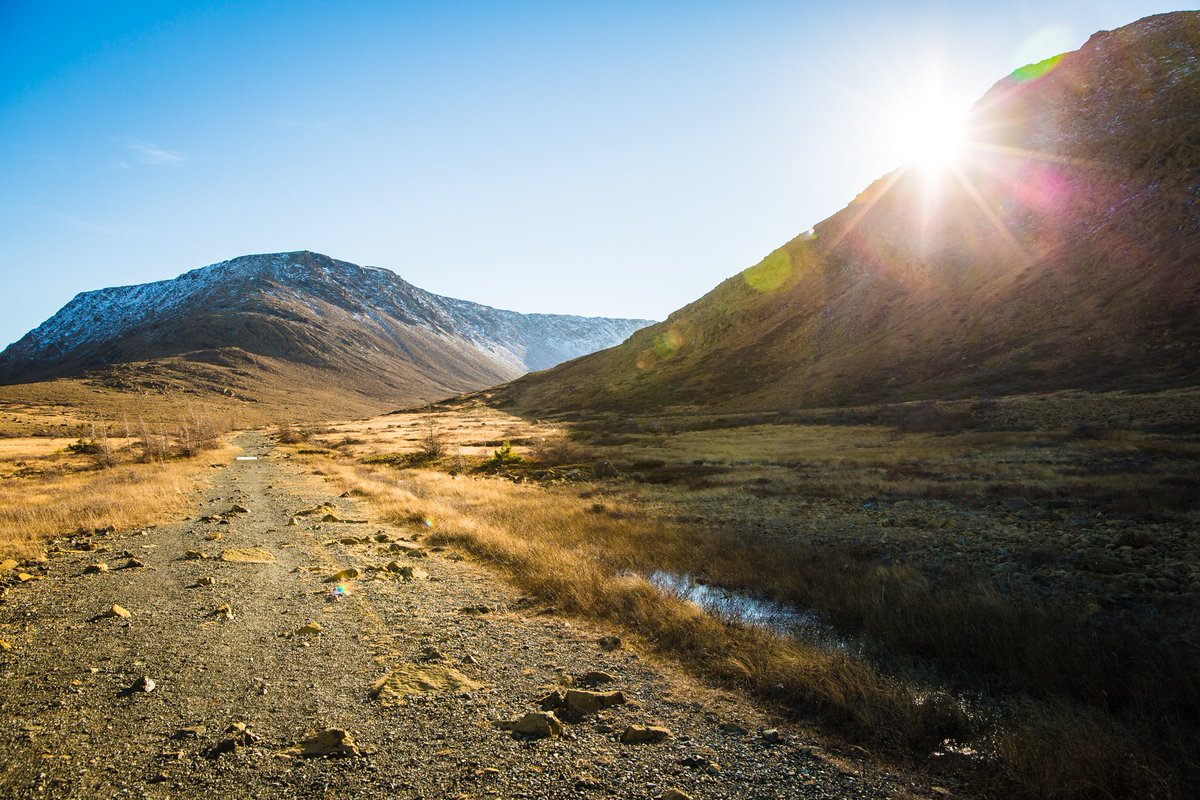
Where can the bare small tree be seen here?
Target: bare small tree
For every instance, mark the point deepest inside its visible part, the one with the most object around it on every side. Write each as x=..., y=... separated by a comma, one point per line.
x=432, y=448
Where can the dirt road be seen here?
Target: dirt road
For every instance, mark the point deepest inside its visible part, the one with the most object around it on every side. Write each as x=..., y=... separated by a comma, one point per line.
x=76, y=719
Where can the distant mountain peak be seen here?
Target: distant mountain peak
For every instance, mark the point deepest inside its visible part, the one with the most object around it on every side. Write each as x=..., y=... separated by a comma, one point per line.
x=309, y=309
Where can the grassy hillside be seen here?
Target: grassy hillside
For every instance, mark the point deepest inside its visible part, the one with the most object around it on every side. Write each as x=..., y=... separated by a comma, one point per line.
x=1060, y=253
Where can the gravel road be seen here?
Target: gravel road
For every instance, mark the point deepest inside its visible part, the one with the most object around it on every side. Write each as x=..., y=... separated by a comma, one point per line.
x=76, y=719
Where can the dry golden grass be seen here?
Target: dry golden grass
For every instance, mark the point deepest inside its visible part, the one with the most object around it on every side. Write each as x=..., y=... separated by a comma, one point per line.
x=35, y=509
x=558, y=549
x=97, y=476
x=1080, y=697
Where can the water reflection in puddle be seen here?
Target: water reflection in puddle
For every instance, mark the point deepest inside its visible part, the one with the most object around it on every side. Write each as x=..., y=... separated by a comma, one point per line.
x=747, y=610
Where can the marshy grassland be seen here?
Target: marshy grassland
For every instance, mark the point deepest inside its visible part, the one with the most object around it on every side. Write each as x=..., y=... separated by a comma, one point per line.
x=1010, y=588
x=61, y=471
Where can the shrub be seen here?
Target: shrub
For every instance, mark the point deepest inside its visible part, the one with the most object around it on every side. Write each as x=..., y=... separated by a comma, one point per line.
x=501, y=459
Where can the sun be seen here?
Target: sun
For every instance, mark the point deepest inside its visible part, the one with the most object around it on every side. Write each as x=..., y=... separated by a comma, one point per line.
x=930, y=135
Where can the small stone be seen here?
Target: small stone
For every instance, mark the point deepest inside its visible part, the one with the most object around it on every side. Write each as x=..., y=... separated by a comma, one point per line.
x=207, y=580
x=701, y=762
x=223, y=611
x=489, y=773
x=248, y=555
x=350, y=573
x=7, y=565
x=214, y=537
x=409, y=573
x=4, y=646
x=117, y=612
x=537, y=725
x=95, y=569
x=293, y=522
x=190, y=732
x=609, y=643
x=195, y=555
x=24, y=577
x=587, y=783
x=237, y=735
x=772, y=736
x=582, y=701
x=476, y=609
x=237, y=509
x=551, y=701
x=329, y=743
x=310, y=629
x=644, y=734
x=595, y=678
x=732, y=727
x=143, y=684
x=675, y=794
x=134, y=563
x=407, y=549
x=1133, y=538
x=431, y=653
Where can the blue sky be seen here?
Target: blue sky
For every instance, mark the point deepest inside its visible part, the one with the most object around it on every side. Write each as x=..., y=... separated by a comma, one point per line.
x=600, y=158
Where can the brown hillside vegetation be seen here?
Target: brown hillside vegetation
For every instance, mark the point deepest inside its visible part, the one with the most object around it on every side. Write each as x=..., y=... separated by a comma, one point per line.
x=1061, y=252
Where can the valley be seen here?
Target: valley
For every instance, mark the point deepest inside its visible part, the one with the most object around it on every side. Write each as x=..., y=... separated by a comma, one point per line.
x=907, y=509
x=1035, y=554
x=285, y=638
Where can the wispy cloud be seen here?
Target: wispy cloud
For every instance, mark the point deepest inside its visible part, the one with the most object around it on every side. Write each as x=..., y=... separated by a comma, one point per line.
x=152, y=154
x=91, y=227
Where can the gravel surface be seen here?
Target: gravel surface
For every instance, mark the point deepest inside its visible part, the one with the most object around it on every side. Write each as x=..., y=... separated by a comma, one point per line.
x=77, y=718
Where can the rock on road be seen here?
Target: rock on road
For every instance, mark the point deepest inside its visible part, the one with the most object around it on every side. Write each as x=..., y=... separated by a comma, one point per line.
x=260, y=677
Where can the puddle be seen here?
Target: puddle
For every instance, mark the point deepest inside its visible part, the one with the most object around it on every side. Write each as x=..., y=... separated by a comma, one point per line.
x=747, y=610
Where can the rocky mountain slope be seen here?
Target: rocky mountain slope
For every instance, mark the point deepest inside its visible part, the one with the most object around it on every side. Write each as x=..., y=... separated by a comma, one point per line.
x=1062, y=251
x=298, y=320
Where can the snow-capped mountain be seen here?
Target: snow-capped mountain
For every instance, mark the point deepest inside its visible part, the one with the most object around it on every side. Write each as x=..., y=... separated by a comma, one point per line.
x=304, y=308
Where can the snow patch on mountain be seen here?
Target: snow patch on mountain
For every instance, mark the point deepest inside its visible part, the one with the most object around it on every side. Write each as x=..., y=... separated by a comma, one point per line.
x=314, y=289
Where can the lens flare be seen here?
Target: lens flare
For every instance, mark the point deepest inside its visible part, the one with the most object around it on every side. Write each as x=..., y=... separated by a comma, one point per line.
x=1031, y=72
x=1032, y=52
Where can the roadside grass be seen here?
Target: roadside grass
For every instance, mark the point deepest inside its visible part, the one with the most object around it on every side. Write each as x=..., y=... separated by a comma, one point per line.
x=594, y=564
x=1053, y=698
x=50, y=486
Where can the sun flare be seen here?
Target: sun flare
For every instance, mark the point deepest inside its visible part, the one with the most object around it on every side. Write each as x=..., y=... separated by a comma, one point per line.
x=931, y=136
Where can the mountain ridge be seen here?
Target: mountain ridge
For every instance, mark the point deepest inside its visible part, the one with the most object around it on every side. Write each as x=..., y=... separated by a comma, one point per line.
x=1060, y=253
x=278, y=311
